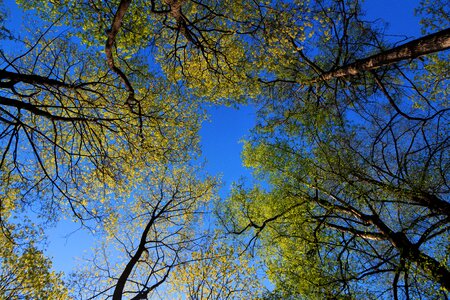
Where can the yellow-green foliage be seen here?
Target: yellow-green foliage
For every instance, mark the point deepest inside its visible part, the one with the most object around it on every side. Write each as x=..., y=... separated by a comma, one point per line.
x=26, y=273
x=216, y=271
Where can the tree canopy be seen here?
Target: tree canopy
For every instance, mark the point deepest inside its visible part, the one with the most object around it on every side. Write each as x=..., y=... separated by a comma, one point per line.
x=101, y=103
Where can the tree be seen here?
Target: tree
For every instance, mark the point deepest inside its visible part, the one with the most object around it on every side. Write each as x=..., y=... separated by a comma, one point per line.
x=68, y=130
x=352, y=141
x=152, y=239
x=438, y=41
x=98, y=129
x=199, y=43
x=74, y=145
x=26, y=273
x=357, y=167
x=218, y=270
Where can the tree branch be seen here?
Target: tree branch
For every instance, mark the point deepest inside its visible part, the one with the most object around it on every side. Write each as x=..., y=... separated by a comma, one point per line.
x=39, y=112
x=436, y=42
x=112, y=33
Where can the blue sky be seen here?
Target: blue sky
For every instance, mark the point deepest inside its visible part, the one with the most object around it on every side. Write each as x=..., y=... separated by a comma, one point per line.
x=221, y=136
x=221, y=148
x=399, y=14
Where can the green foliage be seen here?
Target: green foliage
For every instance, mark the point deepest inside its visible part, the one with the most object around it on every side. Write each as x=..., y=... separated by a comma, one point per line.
x=75, y=147
x=87, y=146
x=209, y=55
x=345, y=169
x=217, y=271
x=166, y=213
x=435, y=15
x=353, y=199
x=26, y=273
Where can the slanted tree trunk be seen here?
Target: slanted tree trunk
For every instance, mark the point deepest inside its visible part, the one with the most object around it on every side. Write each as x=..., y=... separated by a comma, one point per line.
x=436, y=42
x=409, y=251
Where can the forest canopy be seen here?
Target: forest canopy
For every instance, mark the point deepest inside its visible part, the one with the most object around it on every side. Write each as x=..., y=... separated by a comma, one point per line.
x=101, y=104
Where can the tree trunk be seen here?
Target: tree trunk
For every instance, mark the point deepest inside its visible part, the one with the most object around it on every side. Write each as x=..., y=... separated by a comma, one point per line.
x=121, y=282
x=436, y=42
x=409, y=251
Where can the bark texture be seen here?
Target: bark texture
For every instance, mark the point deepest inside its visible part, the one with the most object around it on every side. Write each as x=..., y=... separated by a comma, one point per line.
x=436, y=42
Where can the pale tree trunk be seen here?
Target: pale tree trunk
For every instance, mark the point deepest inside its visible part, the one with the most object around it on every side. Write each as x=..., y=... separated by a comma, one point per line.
x=436, y=42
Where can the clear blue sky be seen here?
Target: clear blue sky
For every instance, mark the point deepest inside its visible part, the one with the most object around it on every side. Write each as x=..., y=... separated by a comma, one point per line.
x=221, y=136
